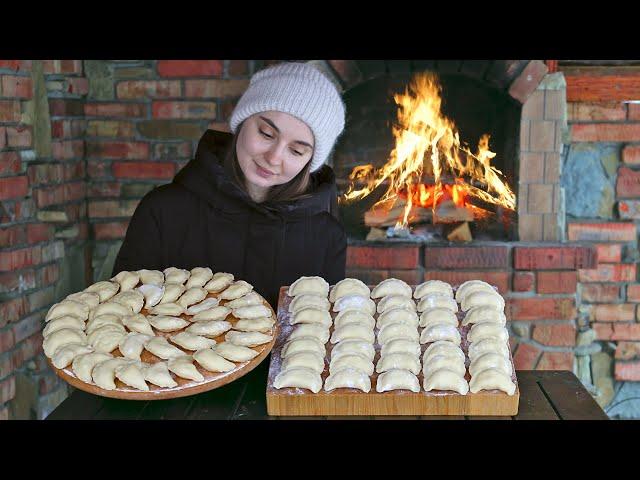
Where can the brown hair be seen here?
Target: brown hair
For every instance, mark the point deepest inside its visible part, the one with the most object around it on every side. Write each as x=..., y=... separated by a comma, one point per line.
x=294, y=189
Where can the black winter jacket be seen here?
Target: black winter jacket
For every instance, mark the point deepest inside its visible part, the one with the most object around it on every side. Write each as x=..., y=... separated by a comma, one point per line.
x=203, y=219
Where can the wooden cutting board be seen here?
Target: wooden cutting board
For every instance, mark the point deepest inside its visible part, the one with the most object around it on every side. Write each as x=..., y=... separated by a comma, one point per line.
x=185, y=386
x=349, y=401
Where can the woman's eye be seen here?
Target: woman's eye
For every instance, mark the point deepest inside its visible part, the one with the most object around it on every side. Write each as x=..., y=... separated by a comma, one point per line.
x=265, y=134
x=296, y=152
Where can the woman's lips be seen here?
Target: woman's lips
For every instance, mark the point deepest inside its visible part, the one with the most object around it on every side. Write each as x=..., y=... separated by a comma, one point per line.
x=263, y=172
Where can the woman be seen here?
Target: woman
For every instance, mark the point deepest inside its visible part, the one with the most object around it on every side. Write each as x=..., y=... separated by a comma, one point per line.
x=261, y=203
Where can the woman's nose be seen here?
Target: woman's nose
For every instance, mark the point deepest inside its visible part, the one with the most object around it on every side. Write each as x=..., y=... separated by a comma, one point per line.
x=274, y=155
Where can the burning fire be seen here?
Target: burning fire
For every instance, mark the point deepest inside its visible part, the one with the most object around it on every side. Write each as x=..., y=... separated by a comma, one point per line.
x=428, y=143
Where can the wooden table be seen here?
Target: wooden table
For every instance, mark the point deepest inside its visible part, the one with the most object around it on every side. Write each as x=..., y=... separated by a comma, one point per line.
x=545, y=395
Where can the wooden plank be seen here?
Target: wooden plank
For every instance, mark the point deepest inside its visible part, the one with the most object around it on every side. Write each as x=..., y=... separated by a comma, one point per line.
x=78, y=405
x=534, y=404
x=602, y=88
x=569, y=397
x=488, y=417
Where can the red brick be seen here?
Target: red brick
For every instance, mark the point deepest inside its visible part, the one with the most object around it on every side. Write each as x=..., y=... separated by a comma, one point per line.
x=618, y=331
x=633, y=293
x=600, y=293
x=631, y=154
x=627, y=371
x=238, y=67
x=627, y=350
x=28, y=349
x=48, y=275
x=12, y=236
x=602, y=232
x=115, y=110
x=148, y=89
x=17, y=281
x=556, y=282
x=368, y=276
x=67, y=149
x=556, y=361
x=540, y=309
x=466, y=257
x=605, y=132
x=17, y=259
x=634, y=111
x=143, y=169
x=10, y=163
x=3, y=137
x=66, y=107
x=412, y=277
x=27, y=327
x=14, y=187
x=383, y=257
x=609, y=272
x=554, y=258
x=501, y=280
x=104, y=189
x=9, y=110
x=527, y=82
x=205, y=110
x=39, y=232
x=11, y=64
x=589, y=112
x=609, y=253
x=189, y=68
x=110, y=128
x=614, y=312
x=98, y=169
x=110, y=230
x=628, y=183
x=7, y=390
x=171, y=151
x=19, y=136
x=12, y=310
x=6, y=340
x=526, y=356
x=120, y=150
x=555, y=335
x=77, y=86
x=14, y=86
x=523, y=281
x=62, y=66
x=215, y=88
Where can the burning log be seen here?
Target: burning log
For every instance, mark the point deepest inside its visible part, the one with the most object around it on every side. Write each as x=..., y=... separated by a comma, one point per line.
x=449, y=212
x=386, y=215
x=461, y=233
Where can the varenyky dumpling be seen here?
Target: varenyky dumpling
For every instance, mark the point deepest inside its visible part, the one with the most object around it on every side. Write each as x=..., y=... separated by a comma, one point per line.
x=356, y=302
x=251, y=298
x=480, y=298
x=397, y=379
x=480, y=331
x=252, y=311
x=438, y=315
x=397, y=330
x=400, y=345
x=436, y=362
x=130, y=298
x=176, y=275
x=154, y=277
x=433, y=286
x=348, y=378
x=106, y=338
x=183, y=367
x=189, y=341
x=172, y=292
x=199, y=277
x=104, y=373
x=66, y=321
x=445, y=379
x=235, y=353
x=166, y=323
x=348, y=347
x=354, y=316
x=160, y=347
x=303, y=344
x=219, y=282
x=132, y=375
x=211, y=361
x=305, y=359
x=138, y=323
x=397, y=315
x=353, y=360
x=66, y=353
x=488, y=345
x=442, y=347
x=484, y=313
x=311, y=314
x=353, y=331
x=191, y=296
x=83, y=364
x=216, y=313
x=349, y=286
x=111, y=307
x=314, y=285
x=105, y=289
x=236, y=290
x=306, y=300
x=132, y=345
x=298, y=377
x=62, y=337
x=153, y=294
x=492, y=378
x=405, y=361
x=247, y=339
x=68, y=307
x=310, y=330
x=395, y=301
x=206, y=304
x=391, y=286
x=126, y=280
x=436, y=300
x=159, y=375
x=212, y=328
x=171, y=309
x=440, y=331
x=263, y=324
x=90, y=299
x=470, y=285
x=491, y=360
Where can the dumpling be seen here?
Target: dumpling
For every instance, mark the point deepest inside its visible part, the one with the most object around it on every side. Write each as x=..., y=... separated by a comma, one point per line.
x=132, y=344
x=211, y=328
x=391, y=286
x=471, y=285
x=104, y=373
x=66, y=321
x=305, y=359
x=189, y=341
x=130, y=298
x=113, y=308
x=436, y=362
x=161, y=348
x=216, y=313
x=490, y=379
x=219, y=282
x=252, y=311
x=445, y=379
x=106, y=338
x=491, y=360
x=438, y=315
x=199, y=277
x=132, y=375
x=68, y=307
x=357, y=302
x=396, y=301
x=443, y=348
x=104, y=289
x=299, y=377
x=247, y=339
x=436, y=300
x=398, y=315
x=90, y=299
x=152, y=294
x=159, y=375
x=310, y=330
x=211, y=361
x=191, y=296
x=348, y=378
x=440, y=331
x=206, y=304
x=171, y=309
x=313, y=285
x=183, y=367
x=66, y=353
x=488, y=345
x=484, y=313
x=263, y=324
x=126, y=280
x=306, y=300
x=166, y=323
x=353, y=331
x=62, y=337
x=400, y=345
x=312, y=314
x=176, y=275
x=349, y=286
x=83, y=364
x=172, y=292
x=153, y=277
x=251, y=298
x=354, y=316
x=476, y=299
x=303, y=344
x=397, y=330
x=397, y=379
x=235, y=353
x=138, y=323
x=480, y=331
x=404, y=361
x=433, y=286
x=236, y=290
x=353, y=360
x=349, y=347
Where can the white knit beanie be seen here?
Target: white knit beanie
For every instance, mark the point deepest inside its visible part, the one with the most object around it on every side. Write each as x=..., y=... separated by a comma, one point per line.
x=301, y=90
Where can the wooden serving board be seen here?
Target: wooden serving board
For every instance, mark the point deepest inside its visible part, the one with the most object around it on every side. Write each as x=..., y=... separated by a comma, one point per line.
x=185, y=386
x=351, y=401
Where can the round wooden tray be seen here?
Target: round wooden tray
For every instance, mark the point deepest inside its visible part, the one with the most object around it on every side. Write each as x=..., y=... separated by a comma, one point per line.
x=185, y=386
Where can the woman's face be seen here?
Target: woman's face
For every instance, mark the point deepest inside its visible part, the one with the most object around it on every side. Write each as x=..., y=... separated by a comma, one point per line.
x=272, y=148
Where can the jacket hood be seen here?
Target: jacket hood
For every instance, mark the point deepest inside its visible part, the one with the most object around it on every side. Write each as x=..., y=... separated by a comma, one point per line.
x=206, y=176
